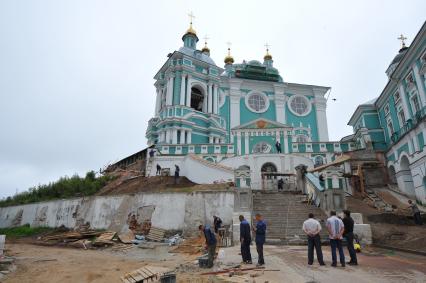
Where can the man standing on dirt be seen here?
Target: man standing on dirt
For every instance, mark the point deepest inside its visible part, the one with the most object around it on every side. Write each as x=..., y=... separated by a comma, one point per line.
x=416, y=213
x=177, y=170
x=210, y=242
x=217, y=223
x=245, y=239
x=348, y=222
x=260, y=231
x=335, y=229
x=158, y=170
x=312, y=228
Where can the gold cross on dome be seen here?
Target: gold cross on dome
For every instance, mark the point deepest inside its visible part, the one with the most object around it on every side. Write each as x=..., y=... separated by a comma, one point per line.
x=191, y=16
x=402, y=38
x=267, y=46
x=229, y=47
x=206, y=37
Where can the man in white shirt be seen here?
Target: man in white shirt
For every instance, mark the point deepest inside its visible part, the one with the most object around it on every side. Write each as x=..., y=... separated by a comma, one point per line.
x=312, y=228
x=335, y=229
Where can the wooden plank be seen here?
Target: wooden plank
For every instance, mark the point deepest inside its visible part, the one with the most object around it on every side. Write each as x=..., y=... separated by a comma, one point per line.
x=144, y=273
x=129, y=278
x=147, y=271
x=136, y=276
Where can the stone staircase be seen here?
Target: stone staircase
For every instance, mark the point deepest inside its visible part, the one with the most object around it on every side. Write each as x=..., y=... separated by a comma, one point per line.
x=284, y=214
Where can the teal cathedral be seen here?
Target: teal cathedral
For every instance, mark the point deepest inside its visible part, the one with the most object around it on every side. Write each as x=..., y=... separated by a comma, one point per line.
x=211, y=120
x=245, y=123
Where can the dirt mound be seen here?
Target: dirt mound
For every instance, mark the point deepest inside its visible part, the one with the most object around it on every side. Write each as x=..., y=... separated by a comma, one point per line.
x=130, y=182
x=390, y=229
x=391, y=218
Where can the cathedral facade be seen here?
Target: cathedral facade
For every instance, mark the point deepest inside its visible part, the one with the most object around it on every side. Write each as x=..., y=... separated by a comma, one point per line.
x=242, y=115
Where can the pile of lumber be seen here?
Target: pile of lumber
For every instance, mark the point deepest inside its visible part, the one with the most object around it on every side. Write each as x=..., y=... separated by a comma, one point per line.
x=192, y=246
x=105, y=238
x=156, y=234
x=71, y=235
x=144, y=274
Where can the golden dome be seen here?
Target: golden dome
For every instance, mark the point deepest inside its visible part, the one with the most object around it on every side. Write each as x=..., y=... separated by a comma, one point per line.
x=191, y=30
x=229, y=59
x=267, y=55
x=205, y=49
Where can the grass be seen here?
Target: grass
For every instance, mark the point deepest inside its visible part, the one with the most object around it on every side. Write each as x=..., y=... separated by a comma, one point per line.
x=23, y=231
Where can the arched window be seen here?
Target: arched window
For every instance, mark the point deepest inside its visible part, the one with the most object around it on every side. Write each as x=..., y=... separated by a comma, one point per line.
x=392, y=174
x=301, y=138
x=318, y=161
x=262, y=147
x=197, y=99
x=269, y=167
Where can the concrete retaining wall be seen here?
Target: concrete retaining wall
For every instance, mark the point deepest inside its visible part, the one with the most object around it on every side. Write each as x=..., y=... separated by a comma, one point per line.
x=172, y=211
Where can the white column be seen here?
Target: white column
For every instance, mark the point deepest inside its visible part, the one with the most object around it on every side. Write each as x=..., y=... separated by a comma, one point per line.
x=210, y=97
x=215, y=99
x=174, y=137
x=404, y=101
x=420, y=85
x=239, y=143
x=182, y=90
x=167, y=136
x=235, y=95
x=169, y=98
x=158, y=102
x=246, y=143
x=415, y=142
x=280, y=100
x=188, y=91
x=285, y=142
x=188, y=137
x=321, y=105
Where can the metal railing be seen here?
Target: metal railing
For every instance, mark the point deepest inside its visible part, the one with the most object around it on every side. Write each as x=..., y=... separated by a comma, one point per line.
x=409, y=125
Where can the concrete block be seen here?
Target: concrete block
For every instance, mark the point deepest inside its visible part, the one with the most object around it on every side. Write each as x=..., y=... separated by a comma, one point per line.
x=363, y=231
x=357, y=217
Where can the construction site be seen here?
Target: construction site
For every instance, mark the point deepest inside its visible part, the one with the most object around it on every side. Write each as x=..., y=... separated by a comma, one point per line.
x=236, y=178
x=145, y=229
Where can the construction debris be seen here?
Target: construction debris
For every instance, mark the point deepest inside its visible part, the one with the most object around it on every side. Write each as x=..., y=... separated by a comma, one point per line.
x=71, y=236
x=156, y=234
x=145, y=274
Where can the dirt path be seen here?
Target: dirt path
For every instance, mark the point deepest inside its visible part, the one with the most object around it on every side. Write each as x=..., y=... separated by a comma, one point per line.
x=38, y=264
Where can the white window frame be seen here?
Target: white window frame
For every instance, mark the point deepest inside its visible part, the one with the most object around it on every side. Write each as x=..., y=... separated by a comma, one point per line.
x=390, y=126
x=416, y=96
x=387, y=109
x=308, y=104
x=399, y=97
x=265, y=97
x=400, y=119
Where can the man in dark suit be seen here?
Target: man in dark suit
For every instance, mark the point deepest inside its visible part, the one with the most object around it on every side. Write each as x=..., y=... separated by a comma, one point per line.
x=245, y=238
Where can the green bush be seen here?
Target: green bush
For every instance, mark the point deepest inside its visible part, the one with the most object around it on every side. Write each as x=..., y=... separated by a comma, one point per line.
x=23, y=231
x=65, y=187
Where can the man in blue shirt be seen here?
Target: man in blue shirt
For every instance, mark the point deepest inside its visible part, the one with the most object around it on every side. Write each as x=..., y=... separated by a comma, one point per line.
x=245, y=238
x=210, y=242
x=260, y=231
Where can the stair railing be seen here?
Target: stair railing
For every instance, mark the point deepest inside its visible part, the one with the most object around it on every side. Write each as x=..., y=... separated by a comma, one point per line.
x=314, y=189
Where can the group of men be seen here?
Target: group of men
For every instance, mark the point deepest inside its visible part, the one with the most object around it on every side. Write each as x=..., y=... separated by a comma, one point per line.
x=337, y=230
x=245, y=237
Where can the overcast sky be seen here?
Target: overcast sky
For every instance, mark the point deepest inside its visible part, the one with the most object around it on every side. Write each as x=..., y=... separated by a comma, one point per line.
x=76, y=77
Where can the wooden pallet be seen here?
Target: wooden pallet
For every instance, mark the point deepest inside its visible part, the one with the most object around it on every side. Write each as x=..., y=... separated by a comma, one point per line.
x=156, y=234
x=105, y=238
x=144, y=274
